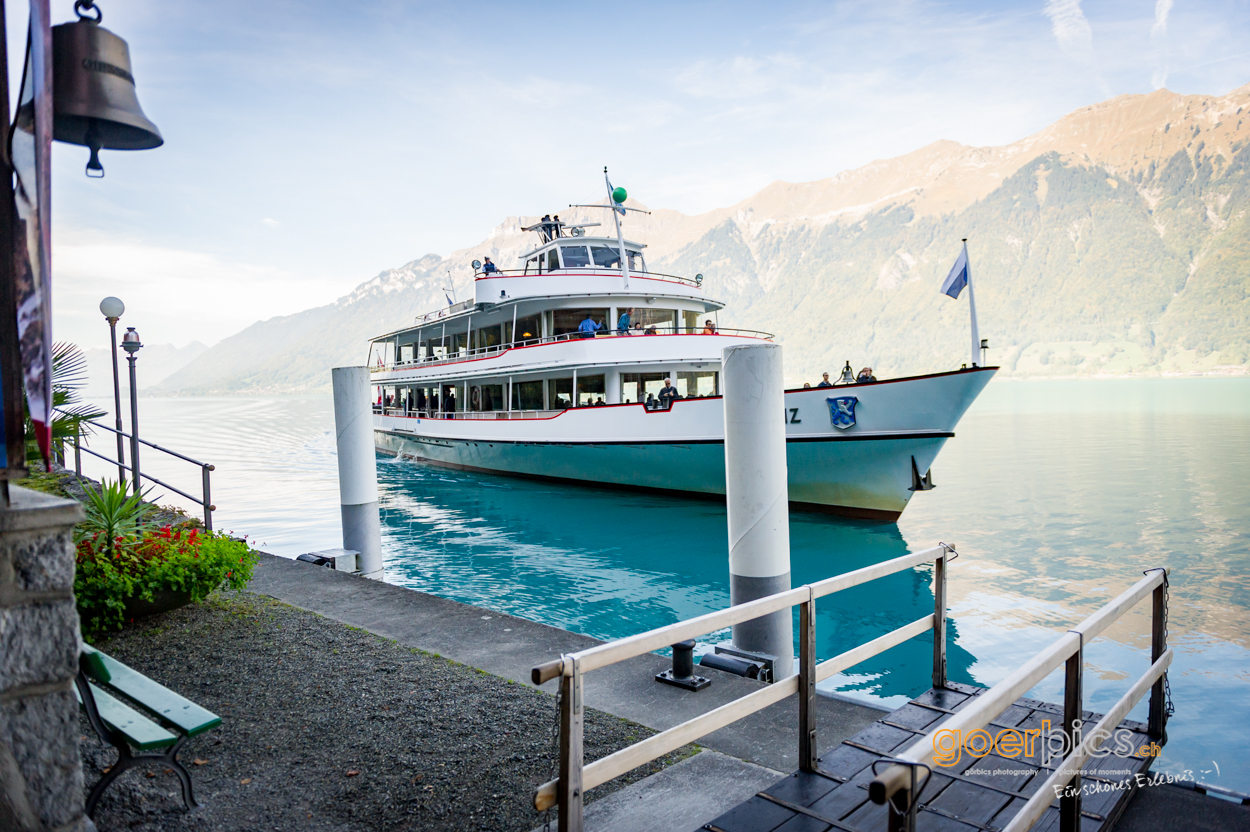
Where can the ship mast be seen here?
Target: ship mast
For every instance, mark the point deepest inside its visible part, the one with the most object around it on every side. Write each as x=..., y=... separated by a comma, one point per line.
x=616, y=204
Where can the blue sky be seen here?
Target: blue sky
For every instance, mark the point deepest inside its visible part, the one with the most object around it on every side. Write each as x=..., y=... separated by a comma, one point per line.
x=311, y=145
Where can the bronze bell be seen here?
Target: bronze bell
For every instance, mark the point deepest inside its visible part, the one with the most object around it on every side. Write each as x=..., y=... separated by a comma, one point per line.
x=93, y=93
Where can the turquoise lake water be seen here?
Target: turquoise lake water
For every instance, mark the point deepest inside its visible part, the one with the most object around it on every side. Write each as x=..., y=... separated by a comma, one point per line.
x=1057, y=494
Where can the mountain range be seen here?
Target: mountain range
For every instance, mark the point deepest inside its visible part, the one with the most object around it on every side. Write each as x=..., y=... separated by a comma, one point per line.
x=1114, y=242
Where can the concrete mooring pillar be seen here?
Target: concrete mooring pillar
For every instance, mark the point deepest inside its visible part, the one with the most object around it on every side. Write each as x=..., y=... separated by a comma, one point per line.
x=358, y=473
x=757, y=496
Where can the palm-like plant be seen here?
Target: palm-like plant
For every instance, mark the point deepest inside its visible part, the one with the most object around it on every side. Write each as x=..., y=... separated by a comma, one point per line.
x=71, y=415
x=112, y=513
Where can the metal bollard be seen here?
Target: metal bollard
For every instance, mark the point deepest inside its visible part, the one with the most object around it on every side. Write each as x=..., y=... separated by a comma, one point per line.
x=682, y=672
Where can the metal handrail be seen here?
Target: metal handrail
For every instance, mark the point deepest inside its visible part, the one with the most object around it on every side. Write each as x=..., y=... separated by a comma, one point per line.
x=205, y=502
x=576, y=777
x=901, y=784
x=497, y=349
x=588, y=271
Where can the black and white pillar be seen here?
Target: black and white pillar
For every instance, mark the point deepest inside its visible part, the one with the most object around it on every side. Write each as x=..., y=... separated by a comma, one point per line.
x=757, y=496
x=358, y=473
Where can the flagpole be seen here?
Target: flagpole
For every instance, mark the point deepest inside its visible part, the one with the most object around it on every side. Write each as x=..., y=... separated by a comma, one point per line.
x=620, y=238
x=972, y=308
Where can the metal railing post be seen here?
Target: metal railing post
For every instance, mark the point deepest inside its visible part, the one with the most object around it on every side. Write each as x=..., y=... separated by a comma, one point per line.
x=569, y=791
x=939, y=620
x=1157, y=721
x=78, y=450
x=807, y=683
x=208, y=498
x=1070, y=801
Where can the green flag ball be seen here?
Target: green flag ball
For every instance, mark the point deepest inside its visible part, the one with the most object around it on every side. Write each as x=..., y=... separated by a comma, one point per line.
x=619, y=195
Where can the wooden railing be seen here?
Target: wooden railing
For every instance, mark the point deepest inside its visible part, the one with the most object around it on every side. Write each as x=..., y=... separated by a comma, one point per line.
x=900, y=784
x=575, y=777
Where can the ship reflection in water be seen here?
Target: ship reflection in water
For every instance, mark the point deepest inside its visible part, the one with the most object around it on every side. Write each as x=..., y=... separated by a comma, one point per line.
x=610, y=563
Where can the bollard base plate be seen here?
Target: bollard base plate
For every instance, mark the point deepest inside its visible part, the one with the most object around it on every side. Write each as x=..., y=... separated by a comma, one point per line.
x=687, y=682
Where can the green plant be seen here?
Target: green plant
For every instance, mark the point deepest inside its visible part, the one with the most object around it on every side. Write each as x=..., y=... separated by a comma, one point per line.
x=71, y=416
x=113, y=515
x=155, y=559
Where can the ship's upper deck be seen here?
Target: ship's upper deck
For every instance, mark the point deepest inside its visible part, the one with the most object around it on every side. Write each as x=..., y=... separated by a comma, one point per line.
x=580, y=265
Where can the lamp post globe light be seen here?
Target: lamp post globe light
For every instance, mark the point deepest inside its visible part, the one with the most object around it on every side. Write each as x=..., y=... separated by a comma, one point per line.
x=112, y=309
x=131, y=344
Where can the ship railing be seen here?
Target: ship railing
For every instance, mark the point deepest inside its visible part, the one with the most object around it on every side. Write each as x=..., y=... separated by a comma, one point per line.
x=472, y=415
x=446, y=312
x=900, y=784
x=576, y=776
x=590, y=271
x=204, y=501
x=497, y=349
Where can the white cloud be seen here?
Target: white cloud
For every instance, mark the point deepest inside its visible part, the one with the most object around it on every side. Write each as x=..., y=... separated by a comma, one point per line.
x=171, y=295
x=1158, y=34
x=272, y=223
x=1069, y=25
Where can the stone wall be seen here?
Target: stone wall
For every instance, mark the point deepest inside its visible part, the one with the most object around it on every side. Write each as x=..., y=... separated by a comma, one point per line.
x=41, y=783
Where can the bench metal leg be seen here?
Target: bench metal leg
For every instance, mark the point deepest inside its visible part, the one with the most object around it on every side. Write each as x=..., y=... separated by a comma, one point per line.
x=184, y=776
x=125, y=760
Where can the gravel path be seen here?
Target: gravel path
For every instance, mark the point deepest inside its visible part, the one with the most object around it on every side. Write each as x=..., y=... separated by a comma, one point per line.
x=328, y=727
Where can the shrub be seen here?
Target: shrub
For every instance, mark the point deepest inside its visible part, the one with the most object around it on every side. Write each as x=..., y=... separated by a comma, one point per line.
x=121, y=556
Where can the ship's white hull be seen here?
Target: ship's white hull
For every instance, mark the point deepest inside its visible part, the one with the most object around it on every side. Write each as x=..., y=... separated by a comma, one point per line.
x=865, y=470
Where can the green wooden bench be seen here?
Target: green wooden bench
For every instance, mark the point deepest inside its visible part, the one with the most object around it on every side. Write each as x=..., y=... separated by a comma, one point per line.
x=130, y=711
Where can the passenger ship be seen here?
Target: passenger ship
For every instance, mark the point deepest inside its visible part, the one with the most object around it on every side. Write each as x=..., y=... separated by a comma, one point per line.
x=511, y=382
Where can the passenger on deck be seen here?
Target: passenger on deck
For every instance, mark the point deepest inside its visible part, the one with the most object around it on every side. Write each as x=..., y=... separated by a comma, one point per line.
x=865, y=376
x=667, y=394
x=489, y=267
x=449, y=405
x=650, y=402
x=599, y=402
x=544, y=230
x=651, y=330
x=622, y=323
x=637, y=328
x=824, y=380
x=709, y=328
x=557, y=227
x=807, y=385
x=589, y=327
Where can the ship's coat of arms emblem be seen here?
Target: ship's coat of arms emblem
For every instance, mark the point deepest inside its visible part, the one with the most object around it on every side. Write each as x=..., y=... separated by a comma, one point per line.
x=842, y=411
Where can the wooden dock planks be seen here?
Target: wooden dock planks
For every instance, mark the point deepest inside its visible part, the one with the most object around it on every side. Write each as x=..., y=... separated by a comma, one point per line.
x=974, y=795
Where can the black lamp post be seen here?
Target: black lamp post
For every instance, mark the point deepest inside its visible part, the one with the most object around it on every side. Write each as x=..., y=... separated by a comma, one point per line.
x=113, y=308
x=131, y=344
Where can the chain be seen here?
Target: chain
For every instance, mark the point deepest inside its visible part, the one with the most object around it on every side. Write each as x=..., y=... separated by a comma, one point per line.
x=1168, y=707
x=555, y=754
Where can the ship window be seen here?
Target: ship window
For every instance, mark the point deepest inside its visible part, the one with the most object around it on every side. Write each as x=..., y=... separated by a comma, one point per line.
x=529, y=328
x=533, y=265
x=553, y=262
x=664, y=320
x=697, y=385
x=527, y=395
x=636, y=264
x=606, y=258
x=575, y=257
x=561, y=391
x=589, y=390
x=636, y=386
x=489, y=336
x=564, y=321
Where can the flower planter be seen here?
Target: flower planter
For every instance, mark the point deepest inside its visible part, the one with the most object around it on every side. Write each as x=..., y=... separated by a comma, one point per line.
x=163, y=600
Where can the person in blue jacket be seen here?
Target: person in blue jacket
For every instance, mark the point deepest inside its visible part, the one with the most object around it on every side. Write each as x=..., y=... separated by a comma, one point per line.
x=589, y=327
x=622, y=323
